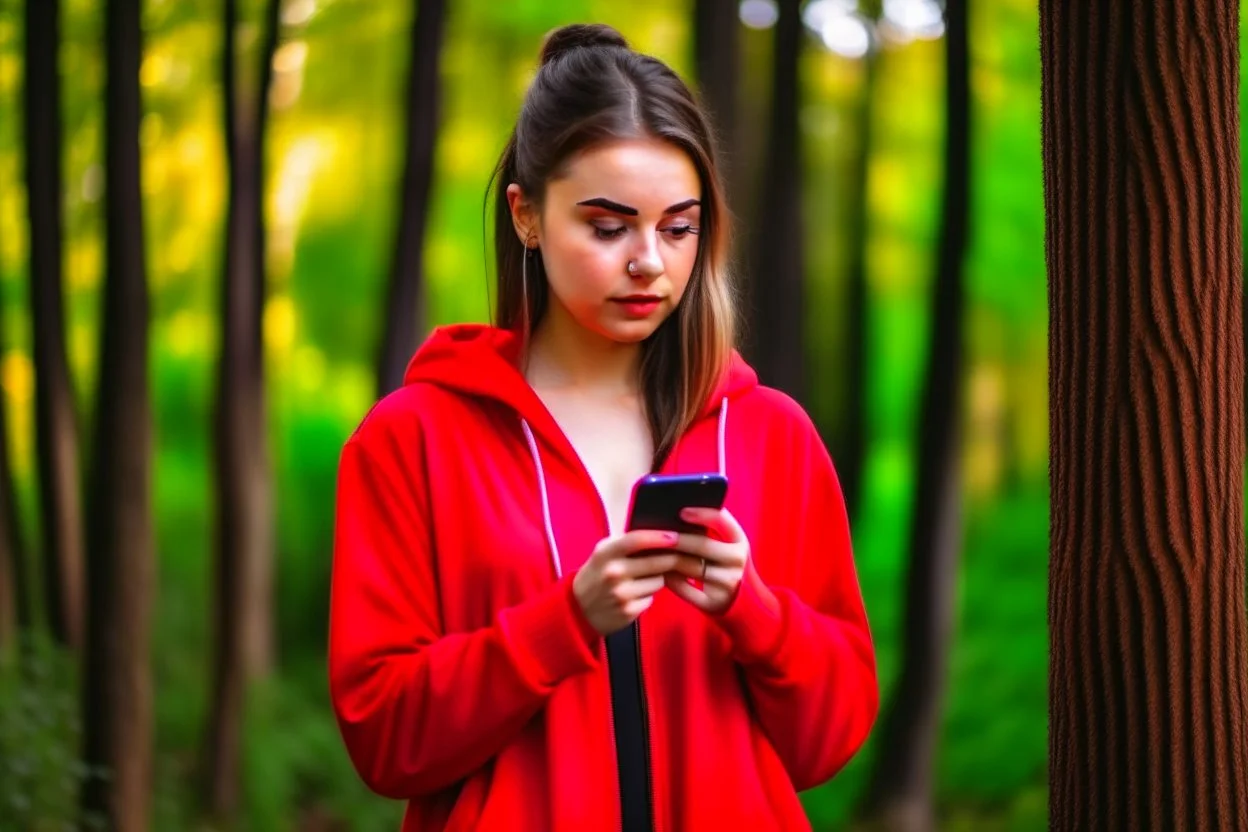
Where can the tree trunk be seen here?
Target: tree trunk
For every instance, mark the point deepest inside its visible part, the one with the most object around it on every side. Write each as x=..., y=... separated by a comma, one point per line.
x=900, y=792
x=56, y=427
x=776, y=284
x=849, y=462
x=405, y=301
x=1147, y=686
x=117, y=696
x=244, y=577
x=716, y=41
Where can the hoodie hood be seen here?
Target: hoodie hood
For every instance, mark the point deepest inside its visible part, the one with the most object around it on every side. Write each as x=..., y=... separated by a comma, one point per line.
x=474, y=360
x=481, y=360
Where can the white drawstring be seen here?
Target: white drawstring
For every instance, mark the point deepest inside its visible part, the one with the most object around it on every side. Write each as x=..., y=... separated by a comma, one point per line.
x=541, y=486
x=541, y=479
x=723, y=429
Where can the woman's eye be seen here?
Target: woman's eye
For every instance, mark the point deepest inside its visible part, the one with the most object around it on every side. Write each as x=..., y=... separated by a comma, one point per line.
x=608, y=233
x=679, y=231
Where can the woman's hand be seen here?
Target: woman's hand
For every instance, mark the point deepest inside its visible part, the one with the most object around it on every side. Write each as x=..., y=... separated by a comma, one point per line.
x=618, y=582
x=718, y=560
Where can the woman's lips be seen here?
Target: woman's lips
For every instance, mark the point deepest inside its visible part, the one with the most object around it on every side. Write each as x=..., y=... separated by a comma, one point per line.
x=639, y=307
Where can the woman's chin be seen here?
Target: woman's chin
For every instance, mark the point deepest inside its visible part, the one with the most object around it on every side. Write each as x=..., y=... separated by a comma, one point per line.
x=630, y=329
x=631, y=332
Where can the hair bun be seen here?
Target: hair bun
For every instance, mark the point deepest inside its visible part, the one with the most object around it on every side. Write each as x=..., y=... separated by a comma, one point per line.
x=580, y=36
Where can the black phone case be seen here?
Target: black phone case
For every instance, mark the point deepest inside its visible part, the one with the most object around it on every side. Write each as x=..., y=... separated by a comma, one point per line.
x=658, y=499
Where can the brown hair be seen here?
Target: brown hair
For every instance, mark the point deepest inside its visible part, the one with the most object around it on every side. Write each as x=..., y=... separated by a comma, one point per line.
x=591, y=88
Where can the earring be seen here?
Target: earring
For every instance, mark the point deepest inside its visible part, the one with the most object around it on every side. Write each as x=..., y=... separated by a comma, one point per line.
x=524, y=280
x=529, y=252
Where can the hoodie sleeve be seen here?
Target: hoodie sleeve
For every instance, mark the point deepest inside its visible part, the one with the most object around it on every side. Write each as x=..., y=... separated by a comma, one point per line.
x=420, y=709
x=805, y=646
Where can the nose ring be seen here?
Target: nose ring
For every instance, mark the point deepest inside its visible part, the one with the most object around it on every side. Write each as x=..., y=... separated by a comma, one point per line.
x=632, y=267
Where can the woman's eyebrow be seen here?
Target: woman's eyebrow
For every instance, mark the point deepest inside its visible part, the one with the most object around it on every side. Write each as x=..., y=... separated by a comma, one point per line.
x=681, y=206
x=603, y=202
x=629, y=211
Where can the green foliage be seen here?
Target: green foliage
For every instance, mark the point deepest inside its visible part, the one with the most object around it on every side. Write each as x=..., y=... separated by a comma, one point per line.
x=998, y=663
x=992, y=755
x=297, y=770
x=41, y=773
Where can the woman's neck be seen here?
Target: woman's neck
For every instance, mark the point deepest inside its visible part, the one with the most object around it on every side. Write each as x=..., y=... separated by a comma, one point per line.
x=563, y=354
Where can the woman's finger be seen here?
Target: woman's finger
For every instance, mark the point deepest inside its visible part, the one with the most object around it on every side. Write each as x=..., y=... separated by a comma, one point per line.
x=641, y=587
x=719, y=523
x=642, y=566
x=690, y=567
x=640, y=540
x=681, y=587
x=715, y=551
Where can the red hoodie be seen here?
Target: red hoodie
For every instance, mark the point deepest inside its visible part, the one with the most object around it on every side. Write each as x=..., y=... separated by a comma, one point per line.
x=467, y=681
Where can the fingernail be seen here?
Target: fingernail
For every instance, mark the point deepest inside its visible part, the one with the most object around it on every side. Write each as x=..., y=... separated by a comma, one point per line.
x=688, y=512
x=671, y=537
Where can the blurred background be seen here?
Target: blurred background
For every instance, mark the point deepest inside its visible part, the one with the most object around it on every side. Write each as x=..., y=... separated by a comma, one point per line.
x=889, y=193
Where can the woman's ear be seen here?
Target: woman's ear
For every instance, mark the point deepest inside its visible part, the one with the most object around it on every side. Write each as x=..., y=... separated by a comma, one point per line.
x=524, y=217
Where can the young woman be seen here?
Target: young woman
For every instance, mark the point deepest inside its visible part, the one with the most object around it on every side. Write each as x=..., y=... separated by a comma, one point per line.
x=503, y=654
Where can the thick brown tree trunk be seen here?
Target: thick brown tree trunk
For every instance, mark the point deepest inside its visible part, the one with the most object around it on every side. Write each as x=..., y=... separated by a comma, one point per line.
x=117, y=695
x=900, y=792
x=56, y=428
x=853, y=450
x=776, y=334
x=244, y=577
x=405, y=300
x=1148, y=686
x=717, y=47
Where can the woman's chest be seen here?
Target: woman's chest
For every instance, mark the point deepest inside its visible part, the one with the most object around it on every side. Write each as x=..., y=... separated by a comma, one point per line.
x=613, y=445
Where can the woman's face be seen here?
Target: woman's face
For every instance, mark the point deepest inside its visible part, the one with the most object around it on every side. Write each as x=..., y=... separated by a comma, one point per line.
x=629, y=201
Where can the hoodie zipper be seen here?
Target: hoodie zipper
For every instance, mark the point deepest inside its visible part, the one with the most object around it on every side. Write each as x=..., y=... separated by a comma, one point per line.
x=619, y=793
x=645, y=730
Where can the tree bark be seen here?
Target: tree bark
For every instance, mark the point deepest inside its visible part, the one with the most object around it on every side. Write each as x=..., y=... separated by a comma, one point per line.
x=716, y=41
x=56, y=428
x=849, y=462
x=243, y=647
x=776, y=284
x=900, y=792
x=117, y=695
x=406, y=315
x=1147, y=686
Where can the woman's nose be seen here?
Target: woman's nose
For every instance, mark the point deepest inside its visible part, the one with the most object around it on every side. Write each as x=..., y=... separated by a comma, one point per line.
x=646, y=262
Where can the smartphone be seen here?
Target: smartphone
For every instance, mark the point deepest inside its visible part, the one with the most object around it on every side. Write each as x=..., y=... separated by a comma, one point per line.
x=657, y=500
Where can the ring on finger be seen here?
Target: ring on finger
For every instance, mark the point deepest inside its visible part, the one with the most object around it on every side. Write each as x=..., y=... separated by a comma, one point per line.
x=703, y=570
